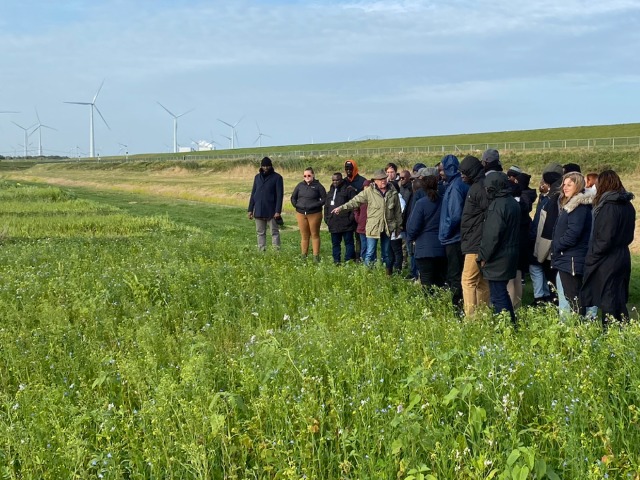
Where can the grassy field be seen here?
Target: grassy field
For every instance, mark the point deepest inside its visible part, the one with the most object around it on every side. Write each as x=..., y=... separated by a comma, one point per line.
x=147, y=338
x=144, y=337
x=538, y=135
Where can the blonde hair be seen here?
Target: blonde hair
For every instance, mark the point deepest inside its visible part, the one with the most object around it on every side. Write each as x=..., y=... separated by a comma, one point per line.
x=575, y=177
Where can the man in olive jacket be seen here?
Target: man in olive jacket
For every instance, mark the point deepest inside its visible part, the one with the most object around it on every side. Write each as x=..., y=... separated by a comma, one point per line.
x=384, y=216
x=500, y=243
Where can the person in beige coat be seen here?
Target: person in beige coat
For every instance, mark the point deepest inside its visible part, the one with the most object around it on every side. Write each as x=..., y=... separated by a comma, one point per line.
x=384, y=216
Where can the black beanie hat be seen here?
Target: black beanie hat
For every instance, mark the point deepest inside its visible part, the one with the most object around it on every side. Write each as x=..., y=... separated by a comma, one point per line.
x=551, y=177
x=266, y=162
x=571, y=167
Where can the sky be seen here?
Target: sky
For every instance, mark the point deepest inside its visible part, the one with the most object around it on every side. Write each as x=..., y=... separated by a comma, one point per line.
x=309, y=71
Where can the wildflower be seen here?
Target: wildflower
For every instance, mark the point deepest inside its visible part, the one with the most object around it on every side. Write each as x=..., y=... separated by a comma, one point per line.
x=16, y=406
x=399, y=409
x=21, y=387
x=110, y=406
x=255, y=314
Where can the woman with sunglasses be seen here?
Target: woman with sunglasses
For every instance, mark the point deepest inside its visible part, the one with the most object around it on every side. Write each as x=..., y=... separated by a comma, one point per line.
x=308, y=198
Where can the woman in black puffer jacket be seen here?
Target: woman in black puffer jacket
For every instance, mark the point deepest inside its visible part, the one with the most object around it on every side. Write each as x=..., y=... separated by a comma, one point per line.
x=308, y=199
x=570, y=240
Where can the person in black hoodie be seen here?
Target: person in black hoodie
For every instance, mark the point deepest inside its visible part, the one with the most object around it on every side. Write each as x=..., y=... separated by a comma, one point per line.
x=308, y=199
x=341, y=227
x=498, y=255
x=265, y=204
x=475, y=289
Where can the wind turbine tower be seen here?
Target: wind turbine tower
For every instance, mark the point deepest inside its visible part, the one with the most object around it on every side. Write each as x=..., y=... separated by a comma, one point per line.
x=39, y=127
x=175, y=125
x=234, y=137
x=260, y=135
x=92, y=106
x=26, y=136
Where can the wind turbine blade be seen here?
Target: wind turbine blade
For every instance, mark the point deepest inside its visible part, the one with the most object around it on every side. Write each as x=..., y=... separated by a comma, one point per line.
x=98, y=92
x=188, y=111
x=20, y=126
x=79, y=103
x=228, y=124
x=37, y=116
x=241, y=118
x=105, y=122
x=8, y=111
x=167, y=110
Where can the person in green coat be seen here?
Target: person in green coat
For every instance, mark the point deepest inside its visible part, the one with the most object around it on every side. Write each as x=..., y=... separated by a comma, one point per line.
x=384, y=216
x=499, y=247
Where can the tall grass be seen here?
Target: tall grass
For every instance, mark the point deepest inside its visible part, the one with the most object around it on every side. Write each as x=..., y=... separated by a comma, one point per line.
x=171, y=352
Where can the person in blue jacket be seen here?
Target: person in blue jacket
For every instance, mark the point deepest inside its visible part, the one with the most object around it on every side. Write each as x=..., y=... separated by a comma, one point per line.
x=422, y=232
x=450, y=222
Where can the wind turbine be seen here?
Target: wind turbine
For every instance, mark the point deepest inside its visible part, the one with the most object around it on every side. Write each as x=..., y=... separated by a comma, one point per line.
x=230, y=140
x=175, y=126
x=260, y=135
x=39, y=127
x=26, y=136
x=233, y=132
x=93, y=106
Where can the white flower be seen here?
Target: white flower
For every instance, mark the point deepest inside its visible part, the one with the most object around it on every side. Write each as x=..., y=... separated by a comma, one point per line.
x=110, y=406
x=21, y=387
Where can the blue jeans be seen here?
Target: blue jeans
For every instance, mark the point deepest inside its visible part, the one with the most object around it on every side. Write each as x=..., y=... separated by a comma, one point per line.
x=336, y=246
x=372, y=245
x=500, y=298
x=564, y=308
x=363, y=248
x=540, y=287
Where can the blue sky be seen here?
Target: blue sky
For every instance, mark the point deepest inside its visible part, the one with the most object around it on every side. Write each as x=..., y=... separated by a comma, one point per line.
x=314, y=71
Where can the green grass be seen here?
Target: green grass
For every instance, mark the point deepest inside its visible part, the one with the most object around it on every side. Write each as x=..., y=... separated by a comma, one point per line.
x=153, y=347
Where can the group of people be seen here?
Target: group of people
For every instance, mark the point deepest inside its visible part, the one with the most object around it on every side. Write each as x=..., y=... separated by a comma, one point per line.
x=472, y=228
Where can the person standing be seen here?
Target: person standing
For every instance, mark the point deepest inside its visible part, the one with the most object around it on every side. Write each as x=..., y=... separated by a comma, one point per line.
x=356, y=181
x=450, y=222
x=475, y=289
x=384, y=216
x=341, y=227
x=265, y=204
x=308, y=199
x=352, y=178
x=499, y=246
x=422, y=231
x=607, y=269
x=570, y=240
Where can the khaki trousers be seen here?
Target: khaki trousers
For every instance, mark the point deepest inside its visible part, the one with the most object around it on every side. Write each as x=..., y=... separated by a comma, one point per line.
x=309, y=226
x=475, y=289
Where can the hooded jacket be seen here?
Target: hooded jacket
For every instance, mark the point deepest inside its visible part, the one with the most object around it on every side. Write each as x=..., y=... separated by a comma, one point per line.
x=499, y=246
x=570, y=240
x=308, y=198
x=356, y=180
x=384, y=212
x=607, y=269
x=452, y=202
x=475, y=205
x=267, y=194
